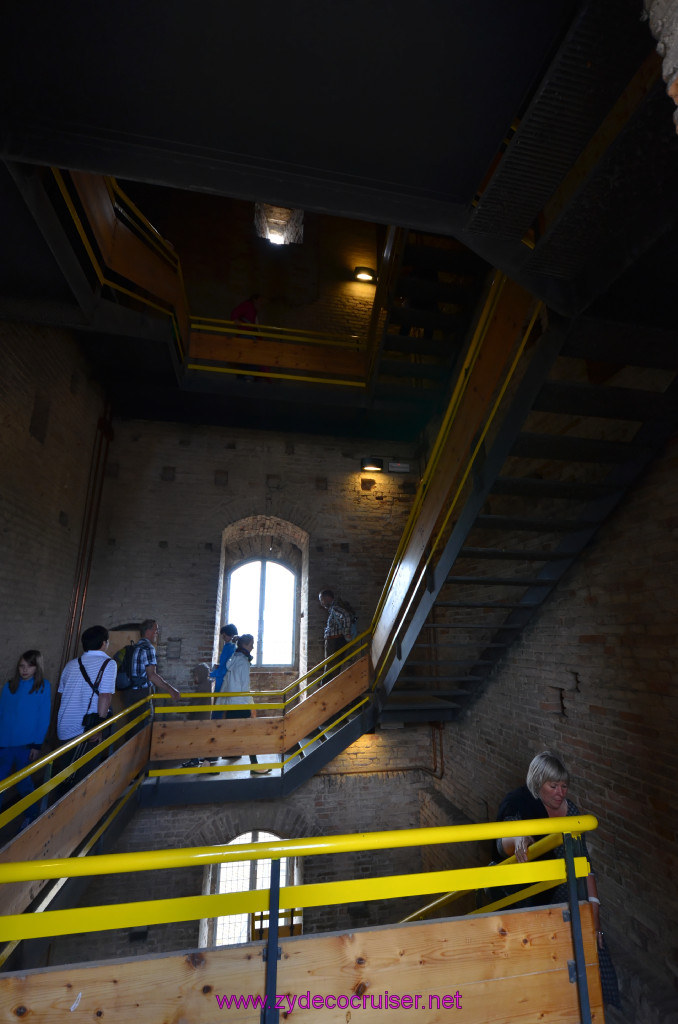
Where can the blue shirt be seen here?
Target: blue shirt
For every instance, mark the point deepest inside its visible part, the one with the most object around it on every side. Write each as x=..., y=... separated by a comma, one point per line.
x=24, y=716
x=219, y=673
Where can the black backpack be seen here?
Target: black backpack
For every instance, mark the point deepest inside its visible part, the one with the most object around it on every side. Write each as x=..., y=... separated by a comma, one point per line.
x=124, y=660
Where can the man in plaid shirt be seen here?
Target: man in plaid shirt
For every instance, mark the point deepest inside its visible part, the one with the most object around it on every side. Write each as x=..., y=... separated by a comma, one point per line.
x=338, y=628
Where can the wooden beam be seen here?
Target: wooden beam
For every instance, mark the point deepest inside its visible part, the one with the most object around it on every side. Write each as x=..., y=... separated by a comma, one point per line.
x=58, y=831
x=124, y=253
x=177, y=741
x=288, y=355
x=510, y=967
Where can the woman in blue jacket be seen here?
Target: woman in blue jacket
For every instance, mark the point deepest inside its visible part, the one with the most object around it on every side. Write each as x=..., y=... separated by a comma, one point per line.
x=25, y=705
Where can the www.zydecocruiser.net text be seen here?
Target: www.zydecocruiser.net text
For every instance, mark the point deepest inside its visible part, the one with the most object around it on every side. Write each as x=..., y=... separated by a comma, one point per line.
x=381, y=1001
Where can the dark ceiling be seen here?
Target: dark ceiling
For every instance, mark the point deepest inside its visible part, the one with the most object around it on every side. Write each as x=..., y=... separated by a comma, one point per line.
x=537, y=134
x=376, y=110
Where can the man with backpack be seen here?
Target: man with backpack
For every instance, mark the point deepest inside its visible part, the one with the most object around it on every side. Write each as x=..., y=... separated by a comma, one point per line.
x=139, y=666
x=340, y=627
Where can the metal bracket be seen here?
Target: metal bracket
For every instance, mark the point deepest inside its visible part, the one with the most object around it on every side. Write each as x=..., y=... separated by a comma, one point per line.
x=567, y=916
x=264, y=954
x=572, y=972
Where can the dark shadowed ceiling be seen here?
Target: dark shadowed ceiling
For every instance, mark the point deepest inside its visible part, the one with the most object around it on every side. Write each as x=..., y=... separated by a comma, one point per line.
x=536, y=135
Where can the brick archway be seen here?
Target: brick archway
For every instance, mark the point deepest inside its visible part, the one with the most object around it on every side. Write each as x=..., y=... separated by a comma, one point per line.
x=267, y=537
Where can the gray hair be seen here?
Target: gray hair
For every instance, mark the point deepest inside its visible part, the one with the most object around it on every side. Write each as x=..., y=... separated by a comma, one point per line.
x=545, y=767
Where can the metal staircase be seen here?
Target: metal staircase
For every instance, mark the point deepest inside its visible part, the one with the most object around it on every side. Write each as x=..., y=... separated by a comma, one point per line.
x=569, y=449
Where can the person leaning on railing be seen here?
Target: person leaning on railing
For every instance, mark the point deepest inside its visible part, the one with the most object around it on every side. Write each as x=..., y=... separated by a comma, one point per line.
x=545, y=796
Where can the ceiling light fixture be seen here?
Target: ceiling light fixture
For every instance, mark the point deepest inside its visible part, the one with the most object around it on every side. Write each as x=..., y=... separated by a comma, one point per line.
x=278, y=224
x=372, y=465
x=365, y=274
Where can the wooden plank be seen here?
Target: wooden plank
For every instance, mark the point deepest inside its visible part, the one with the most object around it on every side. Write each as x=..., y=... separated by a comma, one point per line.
x=176, y=741
x=62, y=828
x=503, y=333
x=327, y=702
x=173, y=741
x=125, y=253
x=510, y=968
x=227, y=348
x=179, y=987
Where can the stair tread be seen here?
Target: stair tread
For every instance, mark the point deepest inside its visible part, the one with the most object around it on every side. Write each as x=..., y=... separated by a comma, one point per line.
x=606, y=402
x=492, y=522
x=514, y=555
x=536, y=488
x=501, y=581
x=575, y=449
x=623, y=344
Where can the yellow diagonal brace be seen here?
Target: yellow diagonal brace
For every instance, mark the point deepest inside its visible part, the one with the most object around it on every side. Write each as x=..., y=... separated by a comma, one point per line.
x=534, y=851
x=515, y=897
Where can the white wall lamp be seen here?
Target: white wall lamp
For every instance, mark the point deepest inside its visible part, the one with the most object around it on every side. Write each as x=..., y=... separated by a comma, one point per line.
x=370, y=465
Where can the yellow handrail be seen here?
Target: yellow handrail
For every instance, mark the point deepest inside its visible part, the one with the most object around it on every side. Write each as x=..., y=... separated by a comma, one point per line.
x=270, y=332
x=313, y=846
x=15, y=926
x=470, y=359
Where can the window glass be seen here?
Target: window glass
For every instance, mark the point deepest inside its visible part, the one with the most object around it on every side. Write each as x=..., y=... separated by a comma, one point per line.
x=241, y=876
x=261, y=601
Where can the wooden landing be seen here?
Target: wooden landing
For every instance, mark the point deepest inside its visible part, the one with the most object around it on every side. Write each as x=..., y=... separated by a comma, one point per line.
x=174, y=741
x=509, y=968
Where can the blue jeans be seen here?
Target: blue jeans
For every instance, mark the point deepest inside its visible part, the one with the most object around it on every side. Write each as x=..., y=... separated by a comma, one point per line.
x=13, y=759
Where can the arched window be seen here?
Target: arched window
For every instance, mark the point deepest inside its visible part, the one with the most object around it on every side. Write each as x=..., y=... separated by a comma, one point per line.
x=241, y=876
x=261, y=599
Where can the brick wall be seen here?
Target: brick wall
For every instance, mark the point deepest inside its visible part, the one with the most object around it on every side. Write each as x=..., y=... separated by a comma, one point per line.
x=173, y=490
x=594, y=678
x=49, y=416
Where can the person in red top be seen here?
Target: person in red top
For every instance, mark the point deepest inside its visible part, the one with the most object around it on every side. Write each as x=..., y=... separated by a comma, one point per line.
x=247, y=312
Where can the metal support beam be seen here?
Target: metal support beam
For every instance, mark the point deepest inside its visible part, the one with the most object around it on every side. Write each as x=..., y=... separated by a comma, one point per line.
x=272, y=953
x=577, y=940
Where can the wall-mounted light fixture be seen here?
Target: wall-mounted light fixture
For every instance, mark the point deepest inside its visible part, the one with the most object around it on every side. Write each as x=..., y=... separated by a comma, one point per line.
x=370, y=465
x=365, y=274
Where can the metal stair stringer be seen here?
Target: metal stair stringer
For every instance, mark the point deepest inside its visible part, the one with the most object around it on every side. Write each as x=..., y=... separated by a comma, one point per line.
x=650, y=436
x=546, y=352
